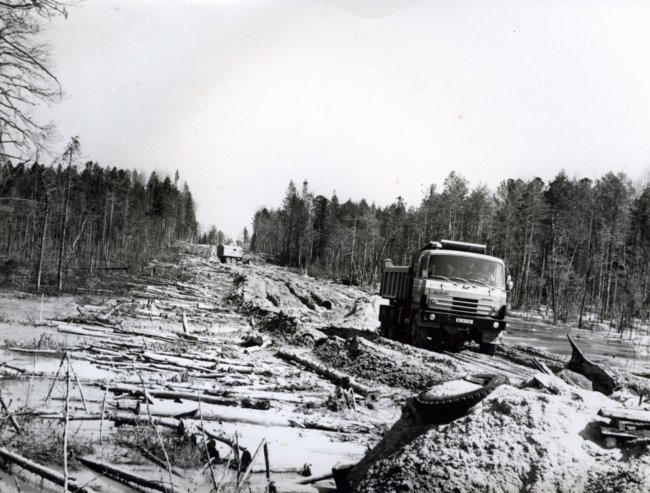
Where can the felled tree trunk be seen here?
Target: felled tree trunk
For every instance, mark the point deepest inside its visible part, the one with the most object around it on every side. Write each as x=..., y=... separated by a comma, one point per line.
x=335, y=376
x=124, y=476
x=42, y=471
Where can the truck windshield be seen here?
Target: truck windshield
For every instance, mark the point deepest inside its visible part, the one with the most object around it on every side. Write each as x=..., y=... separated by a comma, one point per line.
x=467, y=269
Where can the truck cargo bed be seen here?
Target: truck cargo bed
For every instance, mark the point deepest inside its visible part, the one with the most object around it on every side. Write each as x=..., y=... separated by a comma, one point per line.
x=395, y=283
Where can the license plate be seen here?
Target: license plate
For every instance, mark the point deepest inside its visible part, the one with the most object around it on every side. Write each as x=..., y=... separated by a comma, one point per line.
x=467, y=321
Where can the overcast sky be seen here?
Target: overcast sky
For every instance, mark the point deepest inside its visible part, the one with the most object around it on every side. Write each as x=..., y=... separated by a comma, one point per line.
x=374, y=99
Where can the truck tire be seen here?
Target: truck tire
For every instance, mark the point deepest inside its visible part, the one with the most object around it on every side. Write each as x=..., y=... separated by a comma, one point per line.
x=442, y=409
x=391, y=325
x=415, y=334
x=383, y=328
x=487, y=348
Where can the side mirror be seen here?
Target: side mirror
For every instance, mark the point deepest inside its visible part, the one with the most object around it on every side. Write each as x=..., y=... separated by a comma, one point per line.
x=509, y=283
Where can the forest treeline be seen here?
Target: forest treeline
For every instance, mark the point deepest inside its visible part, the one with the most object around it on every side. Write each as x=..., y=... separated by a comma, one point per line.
x=67, y=217
x=575, y=245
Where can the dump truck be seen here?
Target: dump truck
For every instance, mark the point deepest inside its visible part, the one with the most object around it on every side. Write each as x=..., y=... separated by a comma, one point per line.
x=229, y=253
x=451, y=293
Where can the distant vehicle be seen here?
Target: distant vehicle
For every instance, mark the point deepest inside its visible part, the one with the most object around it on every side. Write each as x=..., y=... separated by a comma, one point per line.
x=229, y=253
x=451, y=293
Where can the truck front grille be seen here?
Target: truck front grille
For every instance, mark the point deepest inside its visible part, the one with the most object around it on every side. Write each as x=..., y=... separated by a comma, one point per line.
x=460, y=306
x=464, y=306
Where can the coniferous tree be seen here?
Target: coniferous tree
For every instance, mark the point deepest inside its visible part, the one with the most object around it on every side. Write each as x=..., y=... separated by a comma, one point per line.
x=575, y=246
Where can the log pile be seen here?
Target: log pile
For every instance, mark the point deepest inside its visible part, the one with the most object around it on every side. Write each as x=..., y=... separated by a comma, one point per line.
x=627, y=427
x=181, y=355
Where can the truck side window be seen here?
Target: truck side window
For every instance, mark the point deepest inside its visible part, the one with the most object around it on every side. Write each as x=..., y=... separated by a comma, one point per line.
x=424, y=265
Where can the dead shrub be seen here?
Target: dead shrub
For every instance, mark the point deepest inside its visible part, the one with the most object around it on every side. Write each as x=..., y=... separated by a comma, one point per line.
x=182, y=450
x=46, y=447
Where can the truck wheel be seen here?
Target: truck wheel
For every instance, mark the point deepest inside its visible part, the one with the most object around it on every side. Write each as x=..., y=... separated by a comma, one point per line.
x=392, y=328
x=440, y=409
x=416, y=338
x=383, y=328
x=487, y=348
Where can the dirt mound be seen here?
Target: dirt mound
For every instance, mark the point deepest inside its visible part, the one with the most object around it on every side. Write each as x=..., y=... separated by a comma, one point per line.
x=526, y=440
x=289, y=328
x=363, y=314
x=366, y=360
x=631, y=474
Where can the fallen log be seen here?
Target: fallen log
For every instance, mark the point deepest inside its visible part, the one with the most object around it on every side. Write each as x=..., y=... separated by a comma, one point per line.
x=227, y=366
x=315, y=479
x=225, y=414
x=173, y=295
x=121, y=419
x=257, y=417
x=145, y=333
x=12, y=418
x=298, y=398
x=220, y=437
x=175, y=395
x=302, y=295
x=72, y=417
x=176, y=361
x=638, y=415
x=277, y=487
x=325, y=303
x=86, y=333
x=126, y=404
x=186, y=327
x=124, y=476
x=17, y=368
x=40, y=352
x=339, y=378
x=541, y=366
x=40, y=470
x=193, y=396
x=157, y=461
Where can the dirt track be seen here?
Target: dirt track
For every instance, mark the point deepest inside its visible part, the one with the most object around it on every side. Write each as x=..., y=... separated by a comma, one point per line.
x=196, y=349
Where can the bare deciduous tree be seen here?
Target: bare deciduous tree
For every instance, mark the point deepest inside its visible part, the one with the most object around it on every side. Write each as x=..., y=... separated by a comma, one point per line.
x=25, y=79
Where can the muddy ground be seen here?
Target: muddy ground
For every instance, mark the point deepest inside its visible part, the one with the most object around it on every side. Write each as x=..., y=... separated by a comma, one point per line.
x=187, y=372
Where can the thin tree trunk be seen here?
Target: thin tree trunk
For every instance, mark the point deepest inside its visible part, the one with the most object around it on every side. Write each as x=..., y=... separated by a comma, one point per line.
x=584, y=295
x=92, y=244
x=110, y=228
x=64, y=214
x=43, y=231
x=11, y=228
x=553, y=275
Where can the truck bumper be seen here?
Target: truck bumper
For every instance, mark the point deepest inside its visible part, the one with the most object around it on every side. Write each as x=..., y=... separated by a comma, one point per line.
x=479, y=329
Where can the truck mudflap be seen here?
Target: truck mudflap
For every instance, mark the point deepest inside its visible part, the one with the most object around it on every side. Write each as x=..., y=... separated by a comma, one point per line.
x=393, y=320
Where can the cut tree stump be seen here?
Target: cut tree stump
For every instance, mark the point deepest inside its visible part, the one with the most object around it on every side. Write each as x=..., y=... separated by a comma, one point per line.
x=603, y=381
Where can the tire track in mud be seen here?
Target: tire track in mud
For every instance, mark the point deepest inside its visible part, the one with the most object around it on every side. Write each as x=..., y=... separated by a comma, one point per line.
x=524, y=438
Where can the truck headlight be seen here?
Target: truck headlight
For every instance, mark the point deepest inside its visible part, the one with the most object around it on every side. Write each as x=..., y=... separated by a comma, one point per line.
x=432, y=316
x=495, y=325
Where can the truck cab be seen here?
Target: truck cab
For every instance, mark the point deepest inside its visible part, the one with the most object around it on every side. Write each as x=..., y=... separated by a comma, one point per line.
x=229, y=253
x=451, y=293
